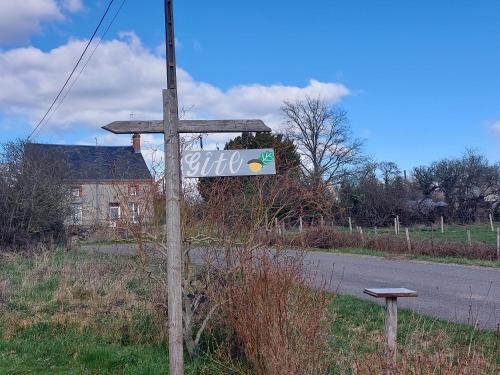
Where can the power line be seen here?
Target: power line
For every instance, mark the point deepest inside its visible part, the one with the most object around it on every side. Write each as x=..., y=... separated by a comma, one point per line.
x=74, y=69
x=101, y=38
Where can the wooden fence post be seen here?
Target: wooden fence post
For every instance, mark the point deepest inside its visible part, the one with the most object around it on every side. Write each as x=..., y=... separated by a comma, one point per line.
x=301, y=225
x=322, y=221
x=350, y=224
x=395, y=226
x=442, y=224
x=491, y=223
x=498, y=244
x=408, y=240
x=362, y=235
x=399, y=226
x=469, y=238
x=376, y=231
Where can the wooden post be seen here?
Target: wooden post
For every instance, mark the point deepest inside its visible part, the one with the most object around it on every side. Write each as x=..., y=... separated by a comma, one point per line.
x=491, y=223
x=399, y=227
x=442, y=224
x=390, y=328
x=362, y=235
x=282, y=228
x=301, y=224
x=173, y=201
x=395, y=226
x=173, y=227
x=408, y=240
x=350, y=224
x=469, y=238
x=376, y=231
x=498, y=244
x=391, y=296
x=322, y=221
x=267, y=221
x=276, y=225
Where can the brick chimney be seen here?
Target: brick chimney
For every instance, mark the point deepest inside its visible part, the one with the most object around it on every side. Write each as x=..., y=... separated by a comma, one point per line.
x=136, y=142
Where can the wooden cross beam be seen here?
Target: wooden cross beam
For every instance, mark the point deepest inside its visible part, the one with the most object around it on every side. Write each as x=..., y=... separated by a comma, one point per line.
x=188, y=126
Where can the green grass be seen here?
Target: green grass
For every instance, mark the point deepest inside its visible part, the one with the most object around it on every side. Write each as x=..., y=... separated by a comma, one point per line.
x=359, y=324
x=426, y=258
x=64, y=313
x=48, y=348
x=479, y=232
x=44, y=331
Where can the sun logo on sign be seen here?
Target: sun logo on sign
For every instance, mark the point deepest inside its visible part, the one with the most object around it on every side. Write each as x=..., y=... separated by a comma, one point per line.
x=256, y=165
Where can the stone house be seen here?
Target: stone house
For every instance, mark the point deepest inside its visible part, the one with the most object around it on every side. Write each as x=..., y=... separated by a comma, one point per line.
x=109, y=185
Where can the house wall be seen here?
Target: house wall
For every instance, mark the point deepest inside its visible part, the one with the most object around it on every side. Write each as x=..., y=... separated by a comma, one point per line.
x=95, y=199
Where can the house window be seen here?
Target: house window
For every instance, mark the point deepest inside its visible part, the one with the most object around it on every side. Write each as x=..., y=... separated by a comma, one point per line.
x=114, y=211
x=133, y=210
x=76, y=191
x=133, y=190
x=77, y=214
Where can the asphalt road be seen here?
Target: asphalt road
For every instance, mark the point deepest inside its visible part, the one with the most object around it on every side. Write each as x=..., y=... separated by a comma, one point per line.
x=465, y=294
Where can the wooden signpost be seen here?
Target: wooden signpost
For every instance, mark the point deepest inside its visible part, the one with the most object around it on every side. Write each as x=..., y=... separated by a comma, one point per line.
x=171, y=127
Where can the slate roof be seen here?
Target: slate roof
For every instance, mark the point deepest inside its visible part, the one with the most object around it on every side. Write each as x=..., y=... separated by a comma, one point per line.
x=97, y=163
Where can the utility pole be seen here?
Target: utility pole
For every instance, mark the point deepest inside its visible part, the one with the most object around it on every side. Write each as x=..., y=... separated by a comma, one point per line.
x=173, y=201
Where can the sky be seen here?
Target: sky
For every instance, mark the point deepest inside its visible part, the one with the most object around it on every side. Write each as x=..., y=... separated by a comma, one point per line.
x=420, y=80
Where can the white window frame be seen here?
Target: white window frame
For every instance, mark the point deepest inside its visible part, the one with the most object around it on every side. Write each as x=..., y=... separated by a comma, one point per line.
x=133, y=211
x=112, y=207
x=76, y=191
x=133, y=190
x=77, y=213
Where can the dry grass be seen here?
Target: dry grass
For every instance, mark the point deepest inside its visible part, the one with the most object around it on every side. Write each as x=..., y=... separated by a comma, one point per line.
x=281, y=324
x=269, y=318
x=426, y=346
x=102, y=294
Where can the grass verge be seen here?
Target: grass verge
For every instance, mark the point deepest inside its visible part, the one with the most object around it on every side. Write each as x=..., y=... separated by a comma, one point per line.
x=447, y=260
x=81, y=313
x=424, y=343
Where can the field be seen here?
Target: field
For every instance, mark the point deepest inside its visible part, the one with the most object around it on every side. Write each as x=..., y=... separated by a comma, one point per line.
x=479, y=232
x=73, y=312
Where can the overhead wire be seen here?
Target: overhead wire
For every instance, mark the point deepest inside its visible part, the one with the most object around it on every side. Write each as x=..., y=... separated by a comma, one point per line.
x=73, y=70
x=101, y=38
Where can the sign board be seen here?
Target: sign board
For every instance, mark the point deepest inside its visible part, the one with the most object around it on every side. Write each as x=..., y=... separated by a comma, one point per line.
x=228, y=163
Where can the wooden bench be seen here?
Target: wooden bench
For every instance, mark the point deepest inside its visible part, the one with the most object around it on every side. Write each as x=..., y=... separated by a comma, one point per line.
x=391, y=296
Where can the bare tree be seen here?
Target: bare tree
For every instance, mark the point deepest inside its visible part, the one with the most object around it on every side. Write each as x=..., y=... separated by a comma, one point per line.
x=323, y=138
x=34, y=198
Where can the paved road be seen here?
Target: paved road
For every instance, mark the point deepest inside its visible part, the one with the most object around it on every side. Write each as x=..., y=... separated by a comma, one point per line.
x=457, y=293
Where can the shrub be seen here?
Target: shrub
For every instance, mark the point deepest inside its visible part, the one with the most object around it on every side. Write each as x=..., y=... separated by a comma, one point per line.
x=34, y=200
x=281, y=323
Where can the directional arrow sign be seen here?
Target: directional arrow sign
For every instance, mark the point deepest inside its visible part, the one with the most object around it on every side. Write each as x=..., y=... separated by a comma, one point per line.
x=189, y=126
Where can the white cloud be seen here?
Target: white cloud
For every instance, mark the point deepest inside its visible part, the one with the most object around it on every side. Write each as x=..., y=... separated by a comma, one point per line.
x=124, y=78
x=72, y=5
x=20, y=19
x=495, y=128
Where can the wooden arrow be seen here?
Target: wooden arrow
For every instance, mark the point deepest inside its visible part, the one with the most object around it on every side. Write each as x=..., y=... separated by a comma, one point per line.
x=189, y=126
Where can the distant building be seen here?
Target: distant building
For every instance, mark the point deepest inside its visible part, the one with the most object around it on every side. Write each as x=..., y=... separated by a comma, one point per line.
x=108, y=184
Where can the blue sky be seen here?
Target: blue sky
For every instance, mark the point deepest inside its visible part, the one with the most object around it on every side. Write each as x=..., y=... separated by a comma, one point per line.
x=420, y=79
